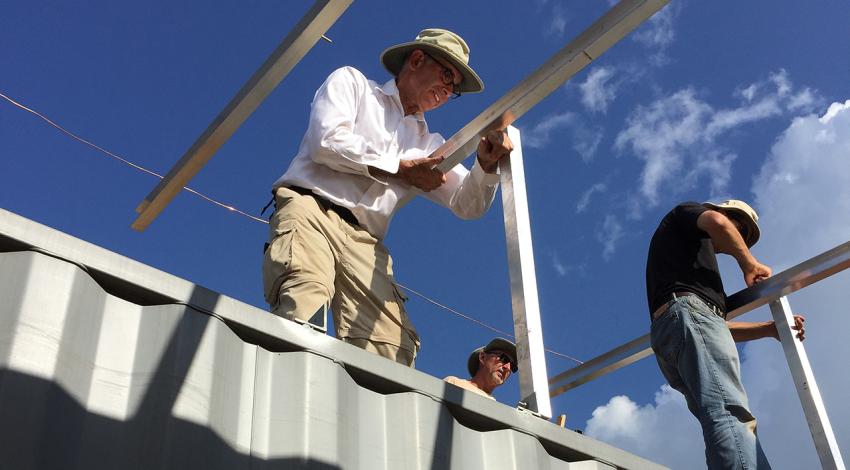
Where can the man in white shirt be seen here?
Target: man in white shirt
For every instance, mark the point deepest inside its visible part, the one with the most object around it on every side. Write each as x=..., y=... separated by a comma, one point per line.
x=489, y=367
x=364, y=155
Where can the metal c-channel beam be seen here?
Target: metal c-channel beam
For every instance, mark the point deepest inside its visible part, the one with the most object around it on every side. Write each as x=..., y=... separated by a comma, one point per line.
x=589, y=45
x=528, y=329
x=289, y=52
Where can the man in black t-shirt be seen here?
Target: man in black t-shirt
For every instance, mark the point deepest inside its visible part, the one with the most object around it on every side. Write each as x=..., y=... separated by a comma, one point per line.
x=694, y=345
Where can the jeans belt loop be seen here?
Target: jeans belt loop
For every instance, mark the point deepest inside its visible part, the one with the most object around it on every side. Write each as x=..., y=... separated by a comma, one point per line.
x=663, y=308
x=714, y=308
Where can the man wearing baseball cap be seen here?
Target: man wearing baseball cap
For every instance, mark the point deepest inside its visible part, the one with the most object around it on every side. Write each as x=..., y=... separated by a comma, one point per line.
x=366, y=153
x=489, y=367
x=693, y=343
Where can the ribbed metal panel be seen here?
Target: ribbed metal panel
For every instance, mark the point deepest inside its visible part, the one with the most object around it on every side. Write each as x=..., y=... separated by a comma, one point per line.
x=91, y=380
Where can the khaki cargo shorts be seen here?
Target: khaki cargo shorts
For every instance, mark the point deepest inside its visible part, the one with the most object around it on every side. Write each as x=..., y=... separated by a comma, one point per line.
x=316, y=260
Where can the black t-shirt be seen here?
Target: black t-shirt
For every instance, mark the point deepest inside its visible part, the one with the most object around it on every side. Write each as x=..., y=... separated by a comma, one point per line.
x=681, y=258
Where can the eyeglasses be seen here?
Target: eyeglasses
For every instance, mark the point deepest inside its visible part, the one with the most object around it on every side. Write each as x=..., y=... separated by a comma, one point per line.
x=503, y=358
x=448, y=77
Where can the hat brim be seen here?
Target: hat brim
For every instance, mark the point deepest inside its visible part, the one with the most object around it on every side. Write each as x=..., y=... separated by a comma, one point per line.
x=500, y=344
x=753, y=231
x=393, y=60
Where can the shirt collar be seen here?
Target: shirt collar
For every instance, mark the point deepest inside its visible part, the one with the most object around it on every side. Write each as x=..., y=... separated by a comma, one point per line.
x=391, y=90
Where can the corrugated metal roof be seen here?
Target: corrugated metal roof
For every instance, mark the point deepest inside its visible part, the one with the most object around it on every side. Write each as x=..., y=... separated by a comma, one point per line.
x=108, y=363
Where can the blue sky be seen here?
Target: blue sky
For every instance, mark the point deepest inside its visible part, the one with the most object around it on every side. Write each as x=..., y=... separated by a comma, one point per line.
x=705, y=101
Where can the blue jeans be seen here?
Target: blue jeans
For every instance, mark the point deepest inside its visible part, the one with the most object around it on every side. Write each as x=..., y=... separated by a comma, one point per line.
x=697, y=356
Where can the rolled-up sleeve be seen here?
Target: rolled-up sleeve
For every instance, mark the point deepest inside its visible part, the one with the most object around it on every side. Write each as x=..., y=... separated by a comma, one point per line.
x=468, y=193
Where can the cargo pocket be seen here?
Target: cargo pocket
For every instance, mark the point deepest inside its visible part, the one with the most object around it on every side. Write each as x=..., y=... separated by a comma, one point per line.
x=278, y=262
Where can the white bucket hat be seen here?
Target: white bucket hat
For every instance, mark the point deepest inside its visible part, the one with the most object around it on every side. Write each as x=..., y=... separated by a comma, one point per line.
x=443, y=43
x=744, y=214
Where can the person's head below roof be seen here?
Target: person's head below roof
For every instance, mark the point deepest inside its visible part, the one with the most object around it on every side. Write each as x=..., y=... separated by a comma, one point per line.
x=492, y=363
x=431, y=69
x=744, y=217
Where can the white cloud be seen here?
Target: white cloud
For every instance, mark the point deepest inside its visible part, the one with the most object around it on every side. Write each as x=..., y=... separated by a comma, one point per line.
x=726, y=119
x=578, y=270
x=610, y=233
x=570, y=129
x=806, y=100
x=749, y=92
x=560, y=268
x=661, y=135
x=563, y=270
x=557, y=21
x=803, y=196
x=597, y=92
x=585, y=141
x=658, y=33
x=719, y=166
x=770, y=103
x=679, y=137
x=584, y=200
x=663, y=431
x=780, y=79
x=539, y=135
x=808, y=175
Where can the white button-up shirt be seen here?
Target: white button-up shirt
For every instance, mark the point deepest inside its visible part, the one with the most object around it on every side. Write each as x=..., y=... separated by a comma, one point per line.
x=356, y=124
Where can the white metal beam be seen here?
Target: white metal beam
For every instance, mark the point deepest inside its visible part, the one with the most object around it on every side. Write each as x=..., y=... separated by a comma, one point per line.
x=289, y=52
x=533, y=386
x=807, y=388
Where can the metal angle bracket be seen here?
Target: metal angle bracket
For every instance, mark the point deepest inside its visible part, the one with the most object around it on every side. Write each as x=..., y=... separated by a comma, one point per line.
x=525, y=407
x=578, y=53
x=807, y=389
x=526, y=310
x=289, y=52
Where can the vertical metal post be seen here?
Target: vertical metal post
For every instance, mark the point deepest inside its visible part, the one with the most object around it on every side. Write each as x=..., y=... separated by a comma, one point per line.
x=533, y=384
x=807, y=388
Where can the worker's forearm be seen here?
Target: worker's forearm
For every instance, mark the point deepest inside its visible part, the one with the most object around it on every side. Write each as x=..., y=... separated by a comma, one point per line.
x=748, y=331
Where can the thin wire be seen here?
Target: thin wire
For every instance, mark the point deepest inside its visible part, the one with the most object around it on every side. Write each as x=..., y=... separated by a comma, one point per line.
x=231, y=208
x=125, y=161
x=480, y=323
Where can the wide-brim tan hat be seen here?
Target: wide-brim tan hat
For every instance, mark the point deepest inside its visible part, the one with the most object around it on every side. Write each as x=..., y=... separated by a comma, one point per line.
x=443, y=43
x=498, y=344
x=744, y=214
